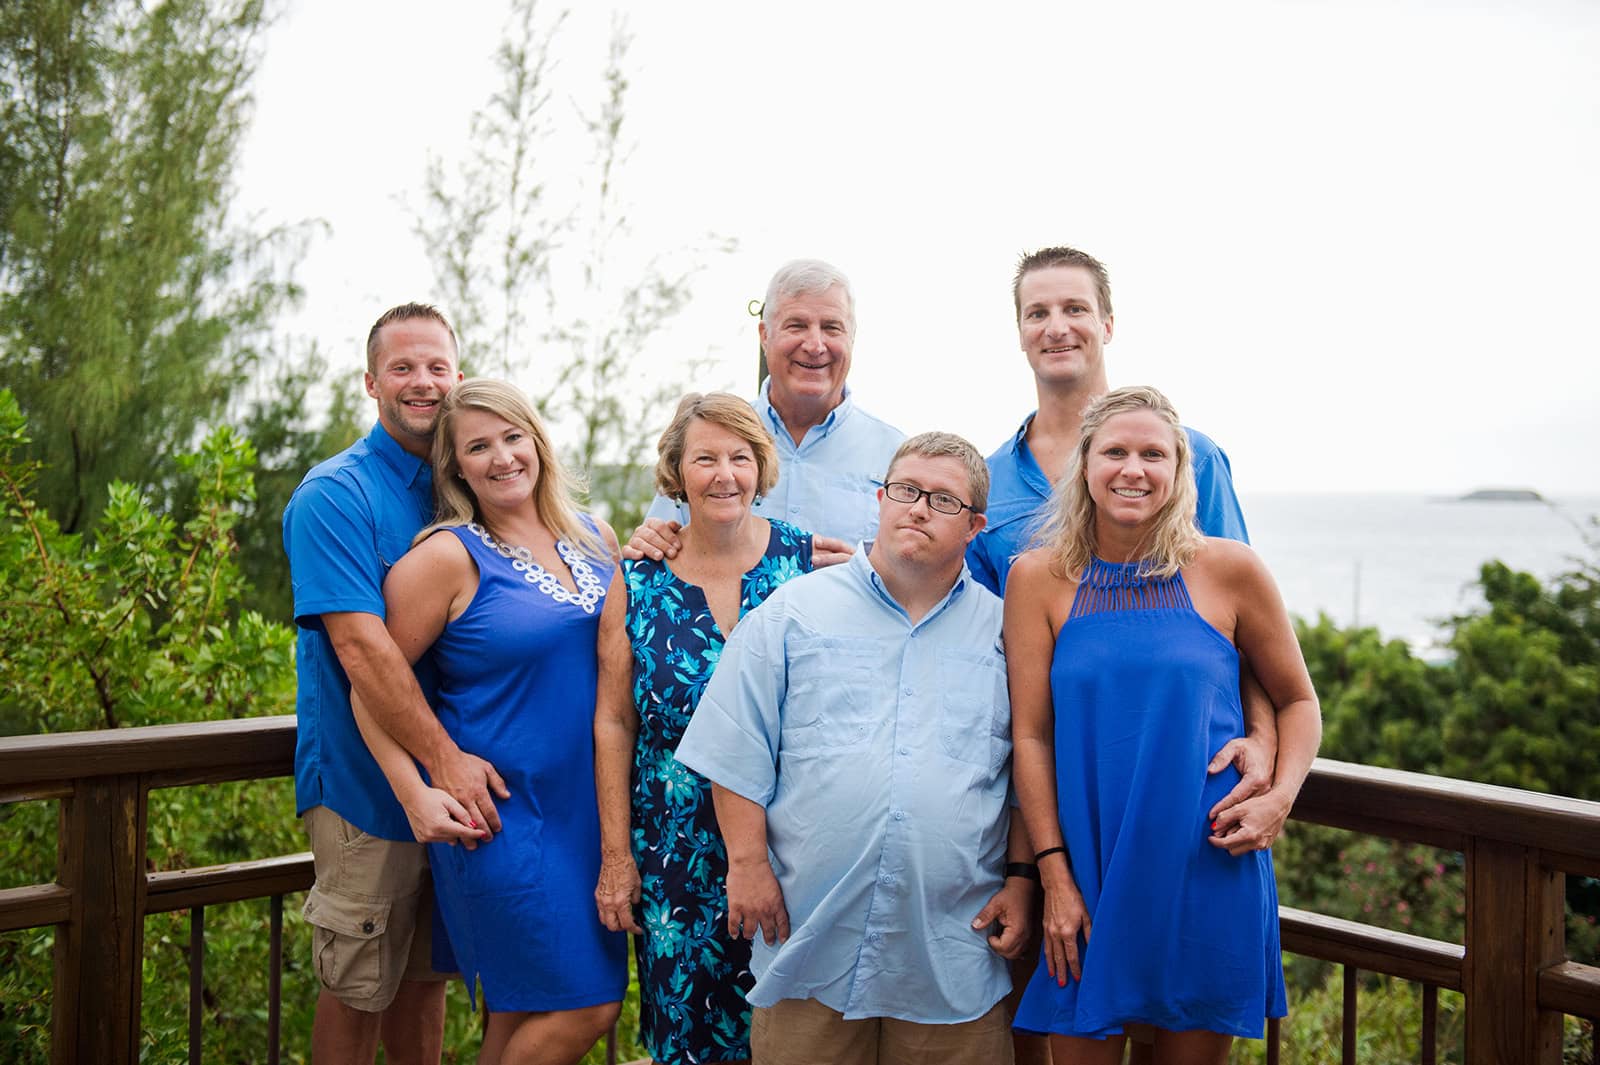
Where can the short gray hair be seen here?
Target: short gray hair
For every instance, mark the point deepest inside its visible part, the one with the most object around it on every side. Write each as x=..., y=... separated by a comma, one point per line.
x=806, y=277
x=936, y=445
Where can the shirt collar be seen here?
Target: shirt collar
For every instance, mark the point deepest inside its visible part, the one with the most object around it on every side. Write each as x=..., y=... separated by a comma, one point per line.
x=835, y=417
x=1027, y=466
x=861, y=569
x=408, y=466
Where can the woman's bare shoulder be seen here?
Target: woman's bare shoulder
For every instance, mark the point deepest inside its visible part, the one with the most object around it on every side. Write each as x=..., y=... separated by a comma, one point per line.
x=1226, y=557
x=608, y=536
x=1037, y=573
x=439, y=557
x=1030, y=565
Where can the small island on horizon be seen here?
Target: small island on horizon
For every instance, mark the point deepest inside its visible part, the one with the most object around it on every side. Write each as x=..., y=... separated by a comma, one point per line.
x=1501, y=495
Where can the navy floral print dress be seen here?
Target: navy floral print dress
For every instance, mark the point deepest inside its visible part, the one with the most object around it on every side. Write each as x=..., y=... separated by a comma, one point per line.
x=693, y=977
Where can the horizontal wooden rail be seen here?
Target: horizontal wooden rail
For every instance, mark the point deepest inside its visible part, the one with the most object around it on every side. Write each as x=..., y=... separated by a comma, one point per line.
x=1445, y=812
x=1515, y=845
x=234, y=882
x=1571, y=988
x=34, y=906
x=1316, y=935
x=219, y=750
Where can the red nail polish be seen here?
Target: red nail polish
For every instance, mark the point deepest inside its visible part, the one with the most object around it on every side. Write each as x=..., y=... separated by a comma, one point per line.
x=1213, y=826
x=474, y=824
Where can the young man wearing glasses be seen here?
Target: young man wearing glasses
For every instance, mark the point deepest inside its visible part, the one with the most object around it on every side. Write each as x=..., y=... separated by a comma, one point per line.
x=857, y=734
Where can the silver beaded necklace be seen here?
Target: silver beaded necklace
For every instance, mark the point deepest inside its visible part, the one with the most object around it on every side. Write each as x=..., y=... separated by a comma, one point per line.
x=590, y=590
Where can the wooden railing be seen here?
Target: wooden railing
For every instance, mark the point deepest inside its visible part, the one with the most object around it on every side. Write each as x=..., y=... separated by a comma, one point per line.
x=1512, y=969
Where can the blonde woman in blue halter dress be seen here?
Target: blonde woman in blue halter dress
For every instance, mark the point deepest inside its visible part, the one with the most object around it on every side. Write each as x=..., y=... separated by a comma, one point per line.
x=1123, y=634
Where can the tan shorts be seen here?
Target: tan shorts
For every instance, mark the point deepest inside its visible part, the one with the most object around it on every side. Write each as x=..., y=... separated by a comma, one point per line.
x=805, y=1032
x=372, y=912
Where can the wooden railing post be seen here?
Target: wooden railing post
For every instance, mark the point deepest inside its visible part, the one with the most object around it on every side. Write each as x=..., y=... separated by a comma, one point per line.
x=94, y=1011
x=1515, y=927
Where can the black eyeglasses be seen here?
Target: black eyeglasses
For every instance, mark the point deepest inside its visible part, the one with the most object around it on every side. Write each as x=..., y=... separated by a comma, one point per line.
x=943, y=502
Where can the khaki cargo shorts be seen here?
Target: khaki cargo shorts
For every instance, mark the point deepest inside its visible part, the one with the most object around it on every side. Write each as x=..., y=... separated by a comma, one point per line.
x=371, y=909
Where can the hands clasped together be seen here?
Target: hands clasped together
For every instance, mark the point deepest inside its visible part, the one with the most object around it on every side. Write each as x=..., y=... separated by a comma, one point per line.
x=459, y=807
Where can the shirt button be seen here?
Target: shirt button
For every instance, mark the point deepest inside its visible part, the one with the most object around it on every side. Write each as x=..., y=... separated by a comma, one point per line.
x=367, y=926
x=899, y=815
x=886, y=879
x=794, y=510
x=874, y=937
x=905, y=750
x=905, y=691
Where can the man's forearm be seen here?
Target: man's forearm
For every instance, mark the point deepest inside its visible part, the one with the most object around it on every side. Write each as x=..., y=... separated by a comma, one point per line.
x=743, y=824
x=1260, y=716
x=1019, y=845
x=388, y=688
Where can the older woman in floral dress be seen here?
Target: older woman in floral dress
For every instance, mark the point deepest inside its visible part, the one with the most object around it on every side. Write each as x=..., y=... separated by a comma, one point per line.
x=661, y=634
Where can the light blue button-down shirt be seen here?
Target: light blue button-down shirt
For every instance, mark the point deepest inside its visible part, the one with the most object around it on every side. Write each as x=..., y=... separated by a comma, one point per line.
x=881, y=750
x=827, y=483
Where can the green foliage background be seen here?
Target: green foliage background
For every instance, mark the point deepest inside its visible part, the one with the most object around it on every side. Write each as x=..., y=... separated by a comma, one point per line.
x=138, y=620
x=153, y=425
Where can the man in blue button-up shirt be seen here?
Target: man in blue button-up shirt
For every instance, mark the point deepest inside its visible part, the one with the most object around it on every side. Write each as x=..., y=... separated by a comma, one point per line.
x=830, y=451
x=857, y=732
x=1064, y=322
x=351, y=518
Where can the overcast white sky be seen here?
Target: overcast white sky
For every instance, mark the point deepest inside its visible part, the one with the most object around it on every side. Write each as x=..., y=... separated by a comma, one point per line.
x=1355, y=241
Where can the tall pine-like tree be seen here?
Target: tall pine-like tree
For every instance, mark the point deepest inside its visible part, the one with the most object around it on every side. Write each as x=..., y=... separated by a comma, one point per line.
x=536, y=260
x=131, y=309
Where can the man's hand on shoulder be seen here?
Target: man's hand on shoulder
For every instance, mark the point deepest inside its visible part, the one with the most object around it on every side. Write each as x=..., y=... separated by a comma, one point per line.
x=829, y=551
x=654, y=539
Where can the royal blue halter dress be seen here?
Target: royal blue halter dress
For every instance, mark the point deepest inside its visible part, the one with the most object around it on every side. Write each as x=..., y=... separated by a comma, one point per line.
x=517, y=674
x=1183, y=935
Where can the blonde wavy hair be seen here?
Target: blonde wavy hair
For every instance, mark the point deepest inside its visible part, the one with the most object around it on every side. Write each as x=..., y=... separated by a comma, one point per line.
x=553, y=493
x=1173, y=539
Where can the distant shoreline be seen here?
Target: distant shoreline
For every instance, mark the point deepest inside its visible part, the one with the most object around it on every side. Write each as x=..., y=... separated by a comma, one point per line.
x=1501, y=495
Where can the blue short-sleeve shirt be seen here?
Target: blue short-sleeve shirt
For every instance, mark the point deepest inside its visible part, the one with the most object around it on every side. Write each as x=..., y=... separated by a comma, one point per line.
x=350, y=520
x=827, y=484
x=1019, y=494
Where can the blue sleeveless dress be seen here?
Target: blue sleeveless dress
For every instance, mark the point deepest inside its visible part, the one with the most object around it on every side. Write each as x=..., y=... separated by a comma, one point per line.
x=516, y=686
x=693, y=977
x=1183, y=935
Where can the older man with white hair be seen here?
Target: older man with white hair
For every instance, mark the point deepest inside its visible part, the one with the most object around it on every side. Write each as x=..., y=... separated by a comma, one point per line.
x=830, y=451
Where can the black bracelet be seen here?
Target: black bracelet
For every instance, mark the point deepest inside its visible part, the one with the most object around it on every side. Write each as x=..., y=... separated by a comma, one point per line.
x=1042, y=855
x=1026, y=870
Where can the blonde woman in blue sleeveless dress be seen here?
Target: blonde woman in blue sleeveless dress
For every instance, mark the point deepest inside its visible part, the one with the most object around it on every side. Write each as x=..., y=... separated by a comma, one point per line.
x=503, y=594
x=1123, y=634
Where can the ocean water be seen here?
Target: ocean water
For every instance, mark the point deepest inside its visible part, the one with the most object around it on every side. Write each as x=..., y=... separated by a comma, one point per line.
x=1403, y=563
